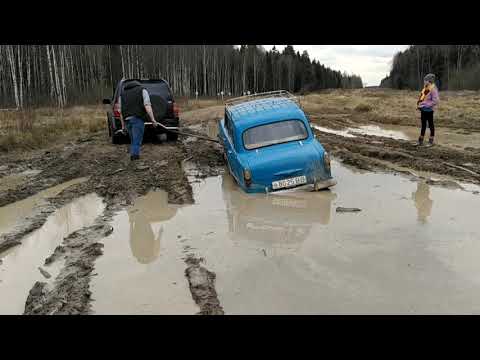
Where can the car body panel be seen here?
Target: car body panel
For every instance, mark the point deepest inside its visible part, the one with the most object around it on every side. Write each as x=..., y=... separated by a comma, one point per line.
x=273, y=162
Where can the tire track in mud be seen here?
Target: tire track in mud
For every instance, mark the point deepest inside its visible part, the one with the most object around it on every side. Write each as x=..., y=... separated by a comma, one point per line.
x=70, y=294
x=202, y=286
x=110, y=174
x=119, y=182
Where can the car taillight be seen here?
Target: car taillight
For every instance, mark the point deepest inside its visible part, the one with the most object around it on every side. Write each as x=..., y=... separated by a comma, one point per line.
x=176, y=110
x=247, y=175
x=116, y=110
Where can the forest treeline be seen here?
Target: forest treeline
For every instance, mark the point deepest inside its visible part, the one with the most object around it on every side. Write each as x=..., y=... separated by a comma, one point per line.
x=456, y=67
x=61, y=75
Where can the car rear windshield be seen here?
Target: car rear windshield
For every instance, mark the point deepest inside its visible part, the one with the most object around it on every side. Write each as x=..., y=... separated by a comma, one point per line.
x=154, y=87
x=275, y=133
x=158, y=89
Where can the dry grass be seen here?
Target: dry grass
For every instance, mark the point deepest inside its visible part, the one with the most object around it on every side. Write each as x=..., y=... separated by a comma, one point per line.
x=363, y=108
x=459, y=109
x=189, y=104
x=33, y=129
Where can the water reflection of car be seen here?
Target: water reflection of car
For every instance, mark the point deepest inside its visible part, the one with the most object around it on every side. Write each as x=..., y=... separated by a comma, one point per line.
x=276, y=219
x=146, y=229
x=269, y=144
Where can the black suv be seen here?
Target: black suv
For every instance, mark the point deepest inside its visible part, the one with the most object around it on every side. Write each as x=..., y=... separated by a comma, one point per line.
x=164, y=108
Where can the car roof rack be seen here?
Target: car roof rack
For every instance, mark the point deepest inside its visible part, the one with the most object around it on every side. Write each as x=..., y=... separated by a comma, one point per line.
x=242, y=104
x=269, y=94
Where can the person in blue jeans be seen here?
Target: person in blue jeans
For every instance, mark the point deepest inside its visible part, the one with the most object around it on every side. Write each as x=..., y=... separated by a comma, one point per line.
x=135, y=109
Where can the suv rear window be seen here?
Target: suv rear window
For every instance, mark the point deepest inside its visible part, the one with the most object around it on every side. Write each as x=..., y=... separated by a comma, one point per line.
x=159, y=89
x=154, y=88
x=275, y=133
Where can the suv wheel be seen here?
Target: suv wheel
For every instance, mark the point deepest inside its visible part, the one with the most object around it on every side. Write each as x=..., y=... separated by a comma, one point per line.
x=109, y=127
x=116, y=139
x=172, y=136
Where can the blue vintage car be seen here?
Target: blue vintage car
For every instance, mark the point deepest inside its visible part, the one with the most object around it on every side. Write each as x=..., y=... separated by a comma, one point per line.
x=269, y=144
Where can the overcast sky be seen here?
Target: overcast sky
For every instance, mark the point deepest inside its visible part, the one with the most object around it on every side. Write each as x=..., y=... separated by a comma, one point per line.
x=371, y=62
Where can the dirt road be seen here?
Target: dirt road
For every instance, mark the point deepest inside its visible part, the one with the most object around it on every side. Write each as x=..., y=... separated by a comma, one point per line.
x=106, y=170
x=190, y=246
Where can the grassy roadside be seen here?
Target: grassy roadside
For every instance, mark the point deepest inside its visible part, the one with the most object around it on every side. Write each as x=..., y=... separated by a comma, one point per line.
x=38, y=128
x=457, y=109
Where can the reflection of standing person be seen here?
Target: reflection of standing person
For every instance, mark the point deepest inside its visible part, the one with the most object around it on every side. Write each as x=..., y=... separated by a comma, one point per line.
x=145, y=245
x=423, y=203
x=427, y=101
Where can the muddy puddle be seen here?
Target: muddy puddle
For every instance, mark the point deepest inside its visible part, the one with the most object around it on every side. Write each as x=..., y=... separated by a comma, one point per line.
x=408, y=251
x=20, y=265
x=402, y=133
x=12, y=214
x=142, y=271
x=448, y=137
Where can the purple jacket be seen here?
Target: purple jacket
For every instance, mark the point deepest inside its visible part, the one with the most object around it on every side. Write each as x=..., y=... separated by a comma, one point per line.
x=431, y=100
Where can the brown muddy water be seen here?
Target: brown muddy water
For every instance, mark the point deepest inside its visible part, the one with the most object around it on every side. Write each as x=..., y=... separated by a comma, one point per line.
x=142, y=271
x=11, y=214
x=413, y=248
x=20, y=265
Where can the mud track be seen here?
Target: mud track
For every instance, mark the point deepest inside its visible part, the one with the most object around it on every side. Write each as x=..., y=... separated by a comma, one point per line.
x=111, y=175
x=374, y=152
x=202, y=287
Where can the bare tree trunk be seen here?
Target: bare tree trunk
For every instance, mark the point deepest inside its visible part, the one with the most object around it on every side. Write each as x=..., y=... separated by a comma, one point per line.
x=20, y=72
x=204, y=72
x=13, y=71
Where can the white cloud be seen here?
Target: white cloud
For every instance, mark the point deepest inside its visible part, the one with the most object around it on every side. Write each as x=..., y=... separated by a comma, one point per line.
x=371, y=62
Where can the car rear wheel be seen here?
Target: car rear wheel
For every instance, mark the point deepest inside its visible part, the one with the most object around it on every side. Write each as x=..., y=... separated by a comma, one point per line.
x=116, y=139
x=109, y=128
x=172, y=136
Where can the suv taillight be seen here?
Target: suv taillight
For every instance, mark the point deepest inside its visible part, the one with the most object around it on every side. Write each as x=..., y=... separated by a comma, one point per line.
x=176, y=110
x=116, y=110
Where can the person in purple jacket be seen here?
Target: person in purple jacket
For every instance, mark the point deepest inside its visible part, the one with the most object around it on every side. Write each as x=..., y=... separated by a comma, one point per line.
x=426, y=103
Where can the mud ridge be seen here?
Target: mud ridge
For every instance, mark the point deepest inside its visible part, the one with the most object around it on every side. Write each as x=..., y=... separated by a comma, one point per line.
x=109, y=169
x=70, y=294
x=202, y=287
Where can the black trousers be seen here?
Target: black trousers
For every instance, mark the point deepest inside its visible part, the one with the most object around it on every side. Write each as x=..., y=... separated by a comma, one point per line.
x=427, y=117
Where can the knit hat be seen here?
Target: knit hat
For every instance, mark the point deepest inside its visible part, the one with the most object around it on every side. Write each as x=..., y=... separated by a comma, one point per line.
x=430, y=78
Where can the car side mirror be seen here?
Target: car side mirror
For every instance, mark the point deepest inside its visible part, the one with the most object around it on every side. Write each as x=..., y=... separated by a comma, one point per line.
x=106, y=102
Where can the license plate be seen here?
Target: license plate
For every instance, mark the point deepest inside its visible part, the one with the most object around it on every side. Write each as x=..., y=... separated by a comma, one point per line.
x=286, y=183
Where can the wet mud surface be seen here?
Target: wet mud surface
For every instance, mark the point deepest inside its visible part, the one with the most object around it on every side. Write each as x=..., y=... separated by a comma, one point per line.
x=79, y=168
x=374, y=152
x=70, y=295
x=191, y=242
x=202, y=287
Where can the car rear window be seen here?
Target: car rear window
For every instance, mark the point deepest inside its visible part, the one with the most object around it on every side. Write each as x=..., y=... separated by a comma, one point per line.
x=158, y=89
x=275, y=133
x=155, y=88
